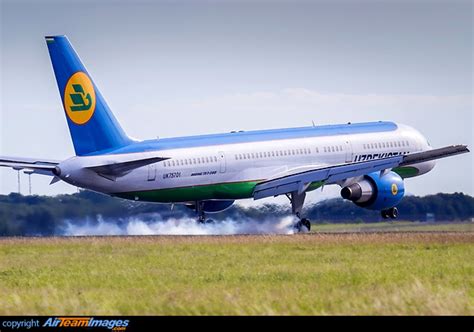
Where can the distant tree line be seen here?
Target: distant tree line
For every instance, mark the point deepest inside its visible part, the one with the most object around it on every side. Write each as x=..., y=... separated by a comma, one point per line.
x=46, y=215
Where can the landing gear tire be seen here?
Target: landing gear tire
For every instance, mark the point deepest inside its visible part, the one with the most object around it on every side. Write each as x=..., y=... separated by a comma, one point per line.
x=391, y=213
x=202, y=219
x=306, y=223
x=303, y=226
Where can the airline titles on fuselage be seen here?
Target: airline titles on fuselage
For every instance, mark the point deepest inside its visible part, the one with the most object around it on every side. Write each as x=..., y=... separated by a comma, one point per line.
x=365, y=157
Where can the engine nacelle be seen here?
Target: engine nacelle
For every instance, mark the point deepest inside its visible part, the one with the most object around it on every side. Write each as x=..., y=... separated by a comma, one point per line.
x=213, y=206
x=376, y=192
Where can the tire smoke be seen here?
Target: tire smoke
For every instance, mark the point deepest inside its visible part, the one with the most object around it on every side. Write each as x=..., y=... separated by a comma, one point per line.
x=181, y=226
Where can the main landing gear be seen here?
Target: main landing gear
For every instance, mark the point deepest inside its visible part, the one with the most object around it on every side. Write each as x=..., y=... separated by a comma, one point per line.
x=391, y=213
x=201, y=214
x=297, y=201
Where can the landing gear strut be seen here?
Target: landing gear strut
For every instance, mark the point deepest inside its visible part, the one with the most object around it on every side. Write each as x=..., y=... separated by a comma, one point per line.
x=199, y=208
x=391, y=213
x=297, y=201
x=200, y=212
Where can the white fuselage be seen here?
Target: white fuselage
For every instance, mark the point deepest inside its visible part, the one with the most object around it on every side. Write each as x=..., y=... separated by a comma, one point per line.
x=248, y=162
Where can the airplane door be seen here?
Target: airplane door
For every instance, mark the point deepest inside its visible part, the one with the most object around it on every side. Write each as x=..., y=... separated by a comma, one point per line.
x=152, y=172
x=222, y=162
x=348, y=150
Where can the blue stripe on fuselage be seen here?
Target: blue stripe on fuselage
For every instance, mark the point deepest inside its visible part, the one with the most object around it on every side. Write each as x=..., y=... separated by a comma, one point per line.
x=252, y=136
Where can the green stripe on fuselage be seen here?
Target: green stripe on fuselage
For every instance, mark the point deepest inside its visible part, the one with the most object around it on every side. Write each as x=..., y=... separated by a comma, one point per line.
x=230, y=190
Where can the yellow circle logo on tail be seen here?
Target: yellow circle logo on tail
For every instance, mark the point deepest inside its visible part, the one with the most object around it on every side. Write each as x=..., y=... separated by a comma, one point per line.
x=79, y=98
x=394, y=189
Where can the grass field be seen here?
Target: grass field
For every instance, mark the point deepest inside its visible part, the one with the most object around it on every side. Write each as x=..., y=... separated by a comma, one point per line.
x=320, y=273
x=398, y=226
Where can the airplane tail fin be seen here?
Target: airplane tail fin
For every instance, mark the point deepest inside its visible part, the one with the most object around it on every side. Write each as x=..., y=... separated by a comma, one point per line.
x=92, y=125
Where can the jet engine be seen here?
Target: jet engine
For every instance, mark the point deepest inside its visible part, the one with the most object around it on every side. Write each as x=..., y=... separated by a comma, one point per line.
x=376, y=191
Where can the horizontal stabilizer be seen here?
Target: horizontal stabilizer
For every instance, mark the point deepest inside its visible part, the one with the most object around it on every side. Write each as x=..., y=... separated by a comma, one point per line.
x=32, y=165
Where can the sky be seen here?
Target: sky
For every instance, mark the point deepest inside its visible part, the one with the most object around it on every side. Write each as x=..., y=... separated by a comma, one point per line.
x=184, y=68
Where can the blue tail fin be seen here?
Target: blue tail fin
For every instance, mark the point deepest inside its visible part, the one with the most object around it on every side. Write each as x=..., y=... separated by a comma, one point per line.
x=92, y=125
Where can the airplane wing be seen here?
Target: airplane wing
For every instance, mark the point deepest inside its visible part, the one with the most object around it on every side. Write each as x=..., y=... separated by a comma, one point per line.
x=32, y=165
x=299, y=182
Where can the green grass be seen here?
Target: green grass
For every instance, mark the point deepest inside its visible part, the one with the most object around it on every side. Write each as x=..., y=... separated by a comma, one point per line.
x=397, y=226
x=322, y=274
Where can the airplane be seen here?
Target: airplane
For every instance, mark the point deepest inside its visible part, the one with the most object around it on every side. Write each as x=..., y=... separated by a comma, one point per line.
x=369, y=161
